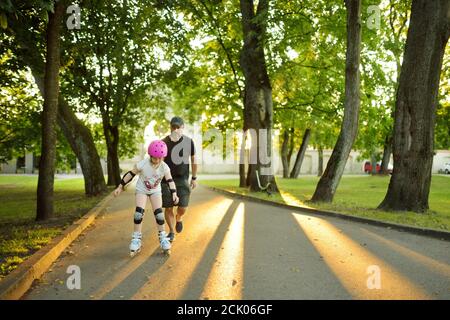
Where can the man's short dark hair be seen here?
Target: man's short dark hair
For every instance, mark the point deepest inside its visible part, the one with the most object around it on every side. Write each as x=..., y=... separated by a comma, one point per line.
x=176, y=122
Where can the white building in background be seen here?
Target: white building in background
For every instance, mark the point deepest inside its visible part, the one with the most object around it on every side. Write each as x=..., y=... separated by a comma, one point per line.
x=210, y=159
x=310, y=164
x=213, y=163
x=23, y=165
x=440, y=159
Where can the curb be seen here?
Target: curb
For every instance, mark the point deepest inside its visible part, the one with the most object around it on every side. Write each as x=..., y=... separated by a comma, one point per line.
x=17, y=283
x=438, y=234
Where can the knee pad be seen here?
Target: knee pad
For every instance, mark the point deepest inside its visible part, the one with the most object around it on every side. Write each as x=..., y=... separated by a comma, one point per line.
x=159, y=216
x=138, y=215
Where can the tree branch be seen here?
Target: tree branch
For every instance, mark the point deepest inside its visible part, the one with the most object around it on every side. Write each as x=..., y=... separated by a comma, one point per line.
x=222, y=44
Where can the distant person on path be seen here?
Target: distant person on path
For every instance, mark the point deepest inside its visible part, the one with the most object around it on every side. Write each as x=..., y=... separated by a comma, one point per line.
x=181, y=152
x=151, y=171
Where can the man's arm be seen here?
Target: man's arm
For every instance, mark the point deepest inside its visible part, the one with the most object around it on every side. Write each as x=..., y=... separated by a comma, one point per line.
x=194, y=166
x=194, y=172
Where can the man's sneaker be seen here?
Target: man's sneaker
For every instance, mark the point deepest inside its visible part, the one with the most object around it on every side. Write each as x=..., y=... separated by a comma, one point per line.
x=171, y=236
x=179, y=226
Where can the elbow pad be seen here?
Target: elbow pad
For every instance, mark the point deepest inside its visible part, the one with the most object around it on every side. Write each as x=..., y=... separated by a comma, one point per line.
x=123, y=183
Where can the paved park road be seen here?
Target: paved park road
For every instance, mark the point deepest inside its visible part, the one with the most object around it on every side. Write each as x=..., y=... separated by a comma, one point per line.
x=233, y=249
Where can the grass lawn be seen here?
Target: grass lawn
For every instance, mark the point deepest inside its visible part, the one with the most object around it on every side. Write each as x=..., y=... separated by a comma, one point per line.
x=20, y=235
x=359, y=196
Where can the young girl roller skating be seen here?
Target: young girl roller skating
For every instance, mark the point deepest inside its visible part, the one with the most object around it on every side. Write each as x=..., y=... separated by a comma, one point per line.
x=151, y=171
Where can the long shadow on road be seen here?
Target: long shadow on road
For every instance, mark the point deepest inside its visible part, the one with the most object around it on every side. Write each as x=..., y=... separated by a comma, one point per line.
x=423, y=261
x=279, y=260
x=196, y=284
x=126, y=282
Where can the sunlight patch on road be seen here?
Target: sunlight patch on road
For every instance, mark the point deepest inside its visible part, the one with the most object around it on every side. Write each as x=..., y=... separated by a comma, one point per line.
x=431, y=263
x=291, y=200
x=226, y=277
x=350, y=262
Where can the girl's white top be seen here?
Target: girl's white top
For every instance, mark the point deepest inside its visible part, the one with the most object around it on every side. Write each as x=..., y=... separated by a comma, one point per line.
x=149, y=181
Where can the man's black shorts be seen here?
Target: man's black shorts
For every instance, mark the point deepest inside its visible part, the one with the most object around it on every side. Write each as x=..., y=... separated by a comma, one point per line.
x=183, y=192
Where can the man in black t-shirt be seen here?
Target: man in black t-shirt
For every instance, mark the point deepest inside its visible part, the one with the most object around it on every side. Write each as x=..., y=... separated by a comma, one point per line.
x=180, y=152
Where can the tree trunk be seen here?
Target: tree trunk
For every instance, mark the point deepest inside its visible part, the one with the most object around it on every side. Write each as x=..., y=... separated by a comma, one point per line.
x=287, y=150
x=284, y=153
x=76, y=133
x=112, y=145
x=258, y=112
x=386, y=155
x=291, y=145
x=82, y=144
x=320, y=168
x=44, y=206
x=80, y=140
x=373, y=161
x=416, y=102
x=242, y=179
x=329, y=181
x=389, y=137
x=251, y=174
x=300, y=155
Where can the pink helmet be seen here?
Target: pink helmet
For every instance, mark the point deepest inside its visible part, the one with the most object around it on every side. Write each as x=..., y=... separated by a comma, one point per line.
x=157, y=149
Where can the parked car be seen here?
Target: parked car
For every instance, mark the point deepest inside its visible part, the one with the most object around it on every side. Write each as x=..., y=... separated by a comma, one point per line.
x=368, y=167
